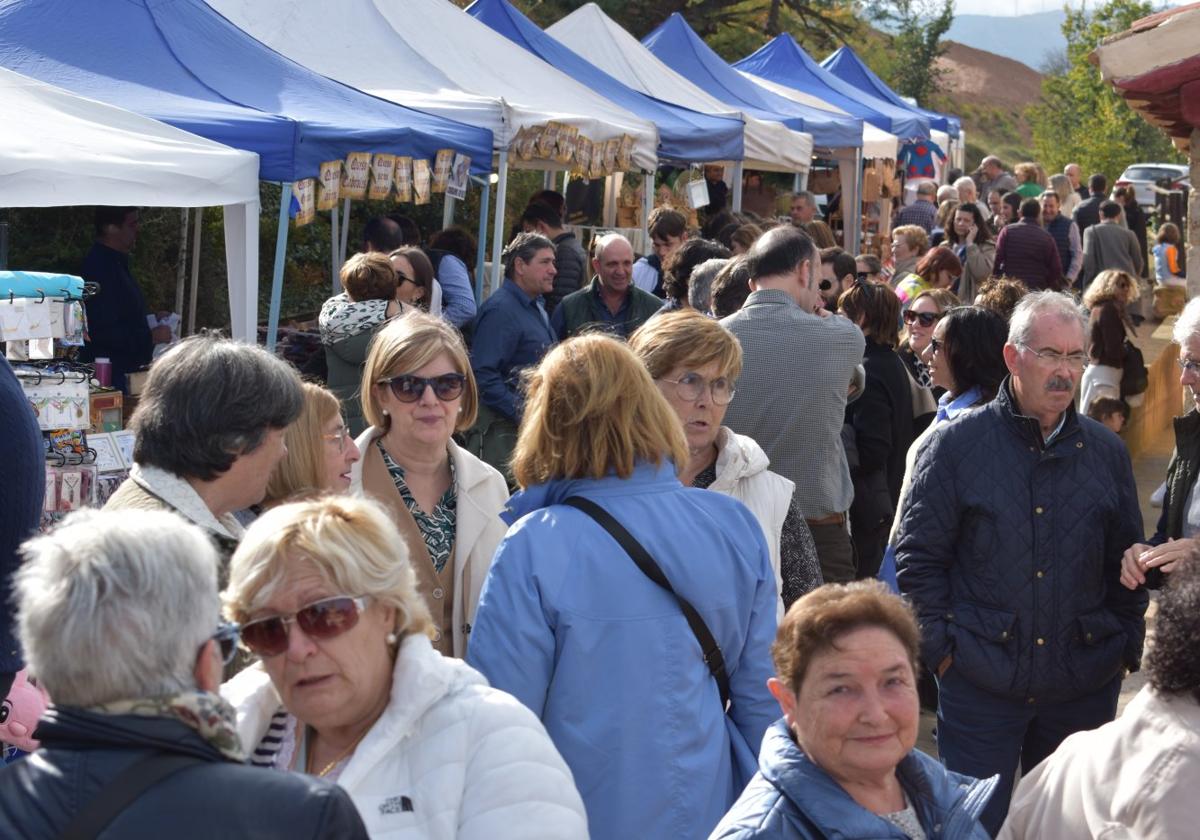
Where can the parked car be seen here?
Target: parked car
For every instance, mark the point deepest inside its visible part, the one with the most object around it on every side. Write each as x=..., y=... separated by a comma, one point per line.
x=1143, y=177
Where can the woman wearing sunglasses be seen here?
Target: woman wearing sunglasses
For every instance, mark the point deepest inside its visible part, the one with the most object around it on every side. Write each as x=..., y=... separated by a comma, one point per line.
x=417, y=391
x=570, y=625
x=349, y=688
x=695, y=363
x=920, y=318
x=320, y=451
x=880, y=421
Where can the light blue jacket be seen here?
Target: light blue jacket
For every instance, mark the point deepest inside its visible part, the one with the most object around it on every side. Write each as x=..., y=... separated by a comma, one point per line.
x=793, y=799
x=571, y=627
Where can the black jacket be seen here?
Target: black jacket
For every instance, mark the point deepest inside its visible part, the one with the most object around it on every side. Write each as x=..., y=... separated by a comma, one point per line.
x=571, y=265
x=882, y=419
x=1181, y=475
x=83, y=751
x=1010, y=550
x=1087, y=213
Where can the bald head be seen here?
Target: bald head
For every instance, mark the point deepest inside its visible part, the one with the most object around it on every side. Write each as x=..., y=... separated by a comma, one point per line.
x=613, y=262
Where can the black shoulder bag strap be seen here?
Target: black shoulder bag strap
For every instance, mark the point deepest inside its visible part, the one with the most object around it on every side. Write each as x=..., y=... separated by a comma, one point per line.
x=121, y=792
x=713, y=657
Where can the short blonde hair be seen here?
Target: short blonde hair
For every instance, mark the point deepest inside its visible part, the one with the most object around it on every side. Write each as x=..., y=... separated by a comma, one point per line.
x=1107, y=285
x=915, y=237
x=814, y=624
x=591, y=408
x=1028, y=173
x=407, y=344
x=303, y=468
x=349, y=542
x=685, y=338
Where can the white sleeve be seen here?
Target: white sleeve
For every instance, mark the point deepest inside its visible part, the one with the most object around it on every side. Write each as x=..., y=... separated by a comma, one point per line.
x=644, y=276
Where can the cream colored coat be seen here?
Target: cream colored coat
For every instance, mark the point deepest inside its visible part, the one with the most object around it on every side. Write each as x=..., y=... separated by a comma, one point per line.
x=1134, y=777
x=482, y=494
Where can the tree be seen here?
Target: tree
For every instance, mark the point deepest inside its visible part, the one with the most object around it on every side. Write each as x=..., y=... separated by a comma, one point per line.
x=1080, y=118
x=917, y=27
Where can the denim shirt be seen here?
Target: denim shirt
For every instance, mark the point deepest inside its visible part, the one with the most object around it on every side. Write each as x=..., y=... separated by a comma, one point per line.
x=512, y=332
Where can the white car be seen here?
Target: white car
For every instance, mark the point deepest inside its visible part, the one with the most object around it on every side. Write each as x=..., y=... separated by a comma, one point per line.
x=1144, y=176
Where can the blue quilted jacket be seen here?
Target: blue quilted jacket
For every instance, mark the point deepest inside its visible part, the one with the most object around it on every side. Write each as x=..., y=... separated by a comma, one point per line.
x=1011, y=549
x=792, y=798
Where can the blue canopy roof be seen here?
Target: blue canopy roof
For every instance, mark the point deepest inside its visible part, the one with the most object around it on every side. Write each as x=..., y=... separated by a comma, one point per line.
x=677, y=45
x=180, y=62
x=850, y=68
x=683, y=134
x=784, y=61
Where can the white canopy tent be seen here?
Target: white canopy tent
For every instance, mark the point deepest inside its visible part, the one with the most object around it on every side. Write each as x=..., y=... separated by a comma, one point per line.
x=451, y=65
x=60, y=149
x=594, y=35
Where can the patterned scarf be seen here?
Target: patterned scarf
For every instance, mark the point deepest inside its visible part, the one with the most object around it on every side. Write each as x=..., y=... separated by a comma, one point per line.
x=208, y=714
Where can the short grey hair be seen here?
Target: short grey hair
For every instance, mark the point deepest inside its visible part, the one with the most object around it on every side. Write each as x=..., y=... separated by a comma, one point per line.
x=700, y=283
x=1187, y=326
x=209, y=400
x=603, y=241
x=1036, y=304
x=966, y=181
x=806, y=195
x=115, y=605
x=947, y=192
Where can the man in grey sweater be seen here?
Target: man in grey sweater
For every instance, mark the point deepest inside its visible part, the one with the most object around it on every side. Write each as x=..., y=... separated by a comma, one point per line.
x=791, y=397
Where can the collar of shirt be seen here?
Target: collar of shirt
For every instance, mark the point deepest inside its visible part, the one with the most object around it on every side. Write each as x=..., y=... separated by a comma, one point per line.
x=950, y=407
x=602, y=307
x=1061, y=421
x=520, y=294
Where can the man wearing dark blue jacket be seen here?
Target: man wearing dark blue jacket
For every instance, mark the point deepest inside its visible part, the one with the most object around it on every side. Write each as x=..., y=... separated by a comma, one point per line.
x=1009, y=546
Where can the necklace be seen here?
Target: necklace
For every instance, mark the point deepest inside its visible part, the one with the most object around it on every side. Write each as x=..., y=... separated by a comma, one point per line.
x=336, y=761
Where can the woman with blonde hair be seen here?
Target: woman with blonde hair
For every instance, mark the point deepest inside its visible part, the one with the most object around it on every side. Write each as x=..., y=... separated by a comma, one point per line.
x=920, y=318
x=1031, y=182
x=320, y=450
x=350, y=689
x=417, y=391
x=1107, y=299
x=576, y=628
x=1068, y=199
x=696, y=362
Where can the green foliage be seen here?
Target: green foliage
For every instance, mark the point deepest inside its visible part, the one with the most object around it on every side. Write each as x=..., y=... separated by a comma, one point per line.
x=918, y=27
x=1080, y=118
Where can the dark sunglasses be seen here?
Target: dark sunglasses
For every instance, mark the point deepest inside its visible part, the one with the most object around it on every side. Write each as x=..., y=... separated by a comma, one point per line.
x=404, y=278
x=407, y=388
x=226, y=638
x=322, y=619
x=927, y=319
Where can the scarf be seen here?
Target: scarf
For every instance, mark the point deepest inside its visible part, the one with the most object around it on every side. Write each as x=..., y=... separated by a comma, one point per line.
x=208, y=714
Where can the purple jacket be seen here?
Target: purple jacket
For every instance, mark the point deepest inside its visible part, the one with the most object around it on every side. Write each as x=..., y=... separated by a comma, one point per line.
x=1026, y=251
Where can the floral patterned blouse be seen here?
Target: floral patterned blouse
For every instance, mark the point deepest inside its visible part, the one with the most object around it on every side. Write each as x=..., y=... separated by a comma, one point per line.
x=438, y=527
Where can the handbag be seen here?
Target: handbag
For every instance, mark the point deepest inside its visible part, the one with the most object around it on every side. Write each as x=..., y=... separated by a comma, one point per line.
x=1135, y=379
x=711, y=651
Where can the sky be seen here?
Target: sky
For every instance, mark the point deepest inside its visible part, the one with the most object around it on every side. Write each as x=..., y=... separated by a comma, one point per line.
x=1006, y=8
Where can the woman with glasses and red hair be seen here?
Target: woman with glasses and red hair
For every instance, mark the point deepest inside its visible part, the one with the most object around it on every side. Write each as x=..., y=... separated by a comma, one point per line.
x=417, y=391
x=349, y=688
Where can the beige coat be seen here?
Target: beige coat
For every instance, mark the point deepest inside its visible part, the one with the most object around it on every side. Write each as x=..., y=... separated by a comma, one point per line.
x=1135, y=777
x=482, y=494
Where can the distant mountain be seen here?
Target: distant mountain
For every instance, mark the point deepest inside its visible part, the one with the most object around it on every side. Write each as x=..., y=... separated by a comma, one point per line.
x=1025, y=38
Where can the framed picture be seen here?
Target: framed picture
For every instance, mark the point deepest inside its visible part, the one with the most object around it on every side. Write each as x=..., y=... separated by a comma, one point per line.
x=108, y=453
x=124, y=440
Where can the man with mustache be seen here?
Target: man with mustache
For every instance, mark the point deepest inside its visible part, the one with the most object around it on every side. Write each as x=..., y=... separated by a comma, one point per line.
x=1009, y=546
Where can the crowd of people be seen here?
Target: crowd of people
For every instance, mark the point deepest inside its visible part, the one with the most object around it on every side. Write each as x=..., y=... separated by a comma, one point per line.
x=663, y=546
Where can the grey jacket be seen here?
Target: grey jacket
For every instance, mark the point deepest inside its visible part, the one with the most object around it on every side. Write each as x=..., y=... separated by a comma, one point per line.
x=1106, y=246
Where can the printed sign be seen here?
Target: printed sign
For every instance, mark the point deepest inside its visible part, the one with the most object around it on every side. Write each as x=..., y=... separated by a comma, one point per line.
x=355, y=175
x=383, y=167
x=460, y=176
x=404, y=179
x=421, y=181
x=329, y=185
x=304, y=195
x=441, y=169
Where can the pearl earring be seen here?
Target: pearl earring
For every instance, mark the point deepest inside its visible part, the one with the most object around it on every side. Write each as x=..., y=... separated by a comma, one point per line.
x=392, y=638
x=385, y=412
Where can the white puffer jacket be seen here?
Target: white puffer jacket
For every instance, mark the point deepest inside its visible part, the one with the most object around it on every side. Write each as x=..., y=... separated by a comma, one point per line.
x=449, y=759
x=742, y=472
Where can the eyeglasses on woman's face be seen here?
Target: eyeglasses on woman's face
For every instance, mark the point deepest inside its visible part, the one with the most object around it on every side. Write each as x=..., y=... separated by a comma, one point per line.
x=339, y=437
x=323, y=619
x=227, y=637
x=402, y=278
x=408, y=388
x=927, y=319
x=691, y=385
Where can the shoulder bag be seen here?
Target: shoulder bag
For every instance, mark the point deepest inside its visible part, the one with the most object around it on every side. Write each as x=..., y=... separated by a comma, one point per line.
x=712, y=655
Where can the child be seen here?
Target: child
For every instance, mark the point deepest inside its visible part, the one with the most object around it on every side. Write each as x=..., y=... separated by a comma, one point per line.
x=1166, y=256
x=1110, y=411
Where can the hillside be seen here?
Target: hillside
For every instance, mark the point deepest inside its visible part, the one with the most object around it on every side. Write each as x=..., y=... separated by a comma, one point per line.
x=990, y=93
x=1027, y=38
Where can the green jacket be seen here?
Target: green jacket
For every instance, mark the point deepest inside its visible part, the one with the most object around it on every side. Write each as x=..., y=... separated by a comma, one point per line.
x=584, y=310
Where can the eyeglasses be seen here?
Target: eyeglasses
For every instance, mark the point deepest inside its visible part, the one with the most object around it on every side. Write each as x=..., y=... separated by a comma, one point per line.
x=691, y=385
x=1188, y=365
x=927, y=319
x=404, y=278
x=339, y=437
x=324, y=619
x=226, y=638
x=407, y=388
x=1051, y=358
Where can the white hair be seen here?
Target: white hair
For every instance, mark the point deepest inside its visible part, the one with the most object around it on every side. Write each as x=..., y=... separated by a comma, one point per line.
x=115, y=605
x=1036, y=304
x=602, y=242
x=1187, y=326
x=700, y=283
x=966, y=181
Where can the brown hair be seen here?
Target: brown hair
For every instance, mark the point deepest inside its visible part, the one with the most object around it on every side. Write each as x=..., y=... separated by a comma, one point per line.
x=591, y=408
x=1001, y=294
x=746, y=235
x=814, y=624
x=685, y=338
x=369, y=277
x=1168, y=232
x=303, y=468
x=407, y=344
x=875, y=308
x=666, y=221
x=1111, y=284
x=730, y=287
x=421, y=266
x=820, y=233
x=936, y=261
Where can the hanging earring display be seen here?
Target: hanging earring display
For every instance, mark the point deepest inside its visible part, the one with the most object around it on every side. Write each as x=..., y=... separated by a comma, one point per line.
x=51, y=503
x=70, y=490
